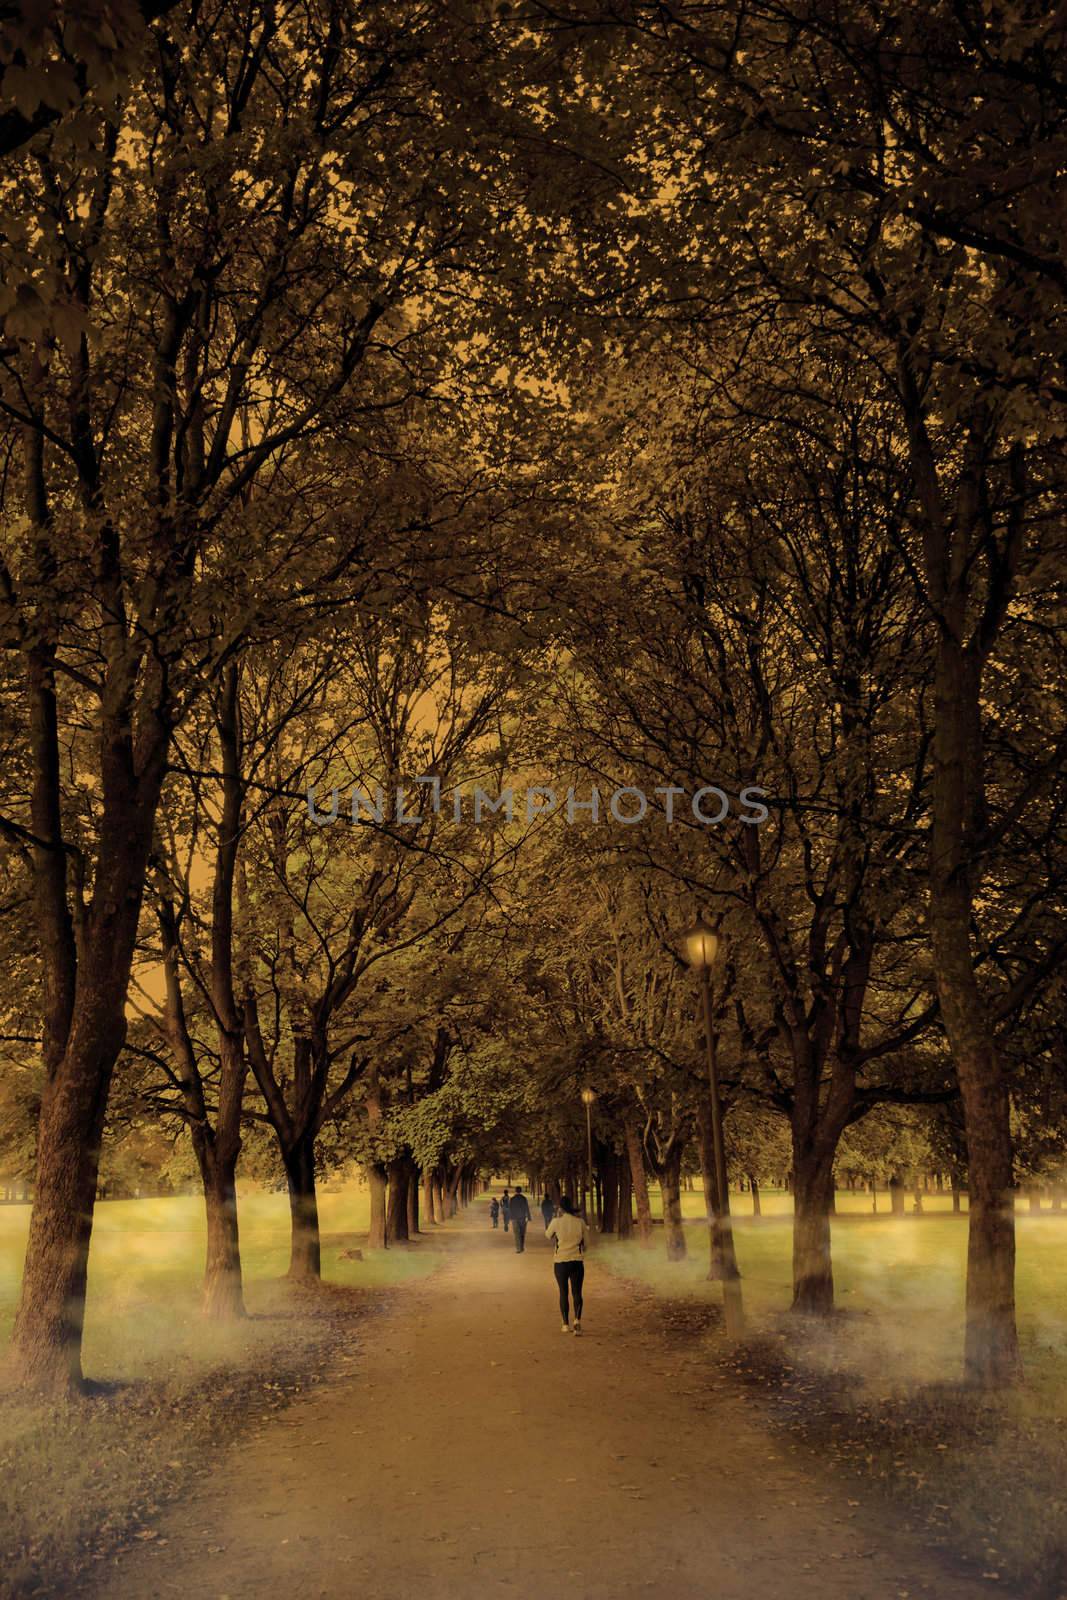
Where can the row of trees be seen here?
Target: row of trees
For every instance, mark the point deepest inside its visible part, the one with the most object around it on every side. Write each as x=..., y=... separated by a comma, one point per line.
x=232, y=271
x=647, y=396
x=840, y=501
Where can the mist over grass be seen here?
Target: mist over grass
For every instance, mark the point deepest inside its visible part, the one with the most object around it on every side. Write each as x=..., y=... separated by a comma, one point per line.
x=899, y=1281
x=875, y=1392
x=79, y=1479
x=146, y=1266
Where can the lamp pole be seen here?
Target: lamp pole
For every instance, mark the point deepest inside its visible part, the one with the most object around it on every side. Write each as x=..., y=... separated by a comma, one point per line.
x=588, y=1096
x=702, y=946
x=722, y=1219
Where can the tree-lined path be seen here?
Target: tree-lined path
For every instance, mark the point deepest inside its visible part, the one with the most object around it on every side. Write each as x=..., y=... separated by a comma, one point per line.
x=464, y=1447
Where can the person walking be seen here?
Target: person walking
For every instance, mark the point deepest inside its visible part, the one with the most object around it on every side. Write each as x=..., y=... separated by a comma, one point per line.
x=548, y=1210
x=494, y=1211
x=519, y=1211
x=505, y=1206
x=569, y=1235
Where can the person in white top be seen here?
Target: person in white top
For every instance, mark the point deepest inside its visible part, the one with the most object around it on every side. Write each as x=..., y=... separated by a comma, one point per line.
x=568, y=1233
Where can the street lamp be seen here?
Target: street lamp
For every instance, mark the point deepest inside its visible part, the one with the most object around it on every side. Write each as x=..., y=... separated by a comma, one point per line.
x=588, y=1096
x=701, y=946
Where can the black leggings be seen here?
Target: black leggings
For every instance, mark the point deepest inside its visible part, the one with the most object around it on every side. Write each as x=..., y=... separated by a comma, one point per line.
x=573, y=1273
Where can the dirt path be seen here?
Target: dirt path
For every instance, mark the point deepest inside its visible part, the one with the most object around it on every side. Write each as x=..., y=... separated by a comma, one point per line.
x=471, y=1449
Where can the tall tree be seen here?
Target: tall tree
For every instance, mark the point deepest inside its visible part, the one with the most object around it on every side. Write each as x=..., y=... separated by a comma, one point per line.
x=186, y=306
x=342, y=904
x=884, y=186
x=789, y=665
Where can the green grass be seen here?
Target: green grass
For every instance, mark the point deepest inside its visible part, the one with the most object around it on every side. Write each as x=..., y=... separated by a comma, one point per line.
x=901, y=1277
x=776, y=1203
x=146, y=1264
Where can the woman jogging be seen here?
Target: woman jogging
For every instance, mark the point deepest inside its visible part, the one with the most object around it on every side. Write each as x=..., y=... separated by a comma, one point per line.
x=568, y=1233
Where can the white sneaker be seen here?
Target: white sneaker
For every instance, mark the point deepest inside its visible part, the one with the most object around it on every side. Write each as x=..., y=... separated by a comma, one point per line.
x=564, y=1329
x=577, y=1327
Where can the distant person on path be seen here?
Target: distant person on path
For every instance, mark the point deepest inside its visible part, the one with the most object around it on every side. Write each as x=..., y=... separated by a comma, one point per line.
x=505, y=1206
x=548, y=1210
x=520, y=1217
x=494, y=1211
x=568, y=1233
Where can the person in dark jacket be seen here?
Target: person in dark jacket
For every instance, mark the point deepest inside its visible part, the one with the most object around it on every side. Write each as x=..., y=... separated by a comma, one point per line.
x=505, y=1206
x=520, y=1217
x=548, y=1210
x=494, y=1211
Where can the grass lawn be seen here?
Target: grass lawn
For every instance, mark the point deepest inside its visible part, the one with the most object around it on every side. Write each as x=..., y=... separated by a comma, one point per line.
x=147, y=1261
x=903, y=1277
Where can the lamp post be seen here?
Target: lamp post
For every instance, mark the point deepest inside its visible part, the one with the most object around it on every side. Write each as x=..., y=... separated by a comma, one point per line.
x=701, y=945
x=588, y=1096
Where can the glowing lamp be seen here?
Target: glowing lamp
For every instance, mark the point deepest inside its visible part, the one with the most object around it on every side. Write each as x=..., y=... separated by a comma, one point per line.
x=701, y=946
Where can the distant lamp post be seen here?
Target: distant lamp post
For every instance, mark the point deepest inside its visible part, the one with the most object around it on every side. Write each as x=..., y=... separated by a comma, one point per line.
x=701, y=946
x=588, y=1097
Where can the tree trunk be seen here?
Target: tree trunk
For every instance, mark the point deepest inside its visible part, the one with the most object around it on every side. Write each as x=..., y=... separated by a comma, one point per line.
x=672, y=1207
x=991, y=1346
x=305, y=1255
x=428, y=1213
x=896, y=1196
x=813, y=1272
x=753, y=1183
x=956, y=1198
x=46, y=1343
x=958, y=818
x=377, y=1179
x=1034, y=1198
x=626, y=1198
x=223, y=1294
x=609, y=1163
x=85, y=1029
x=413, y=1200
x=396, y=1216
x=85, y=975
x=722, y=1255
x=706, y=1154
x=438, y=1198
x=639, y=1181
x=216, y=1149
